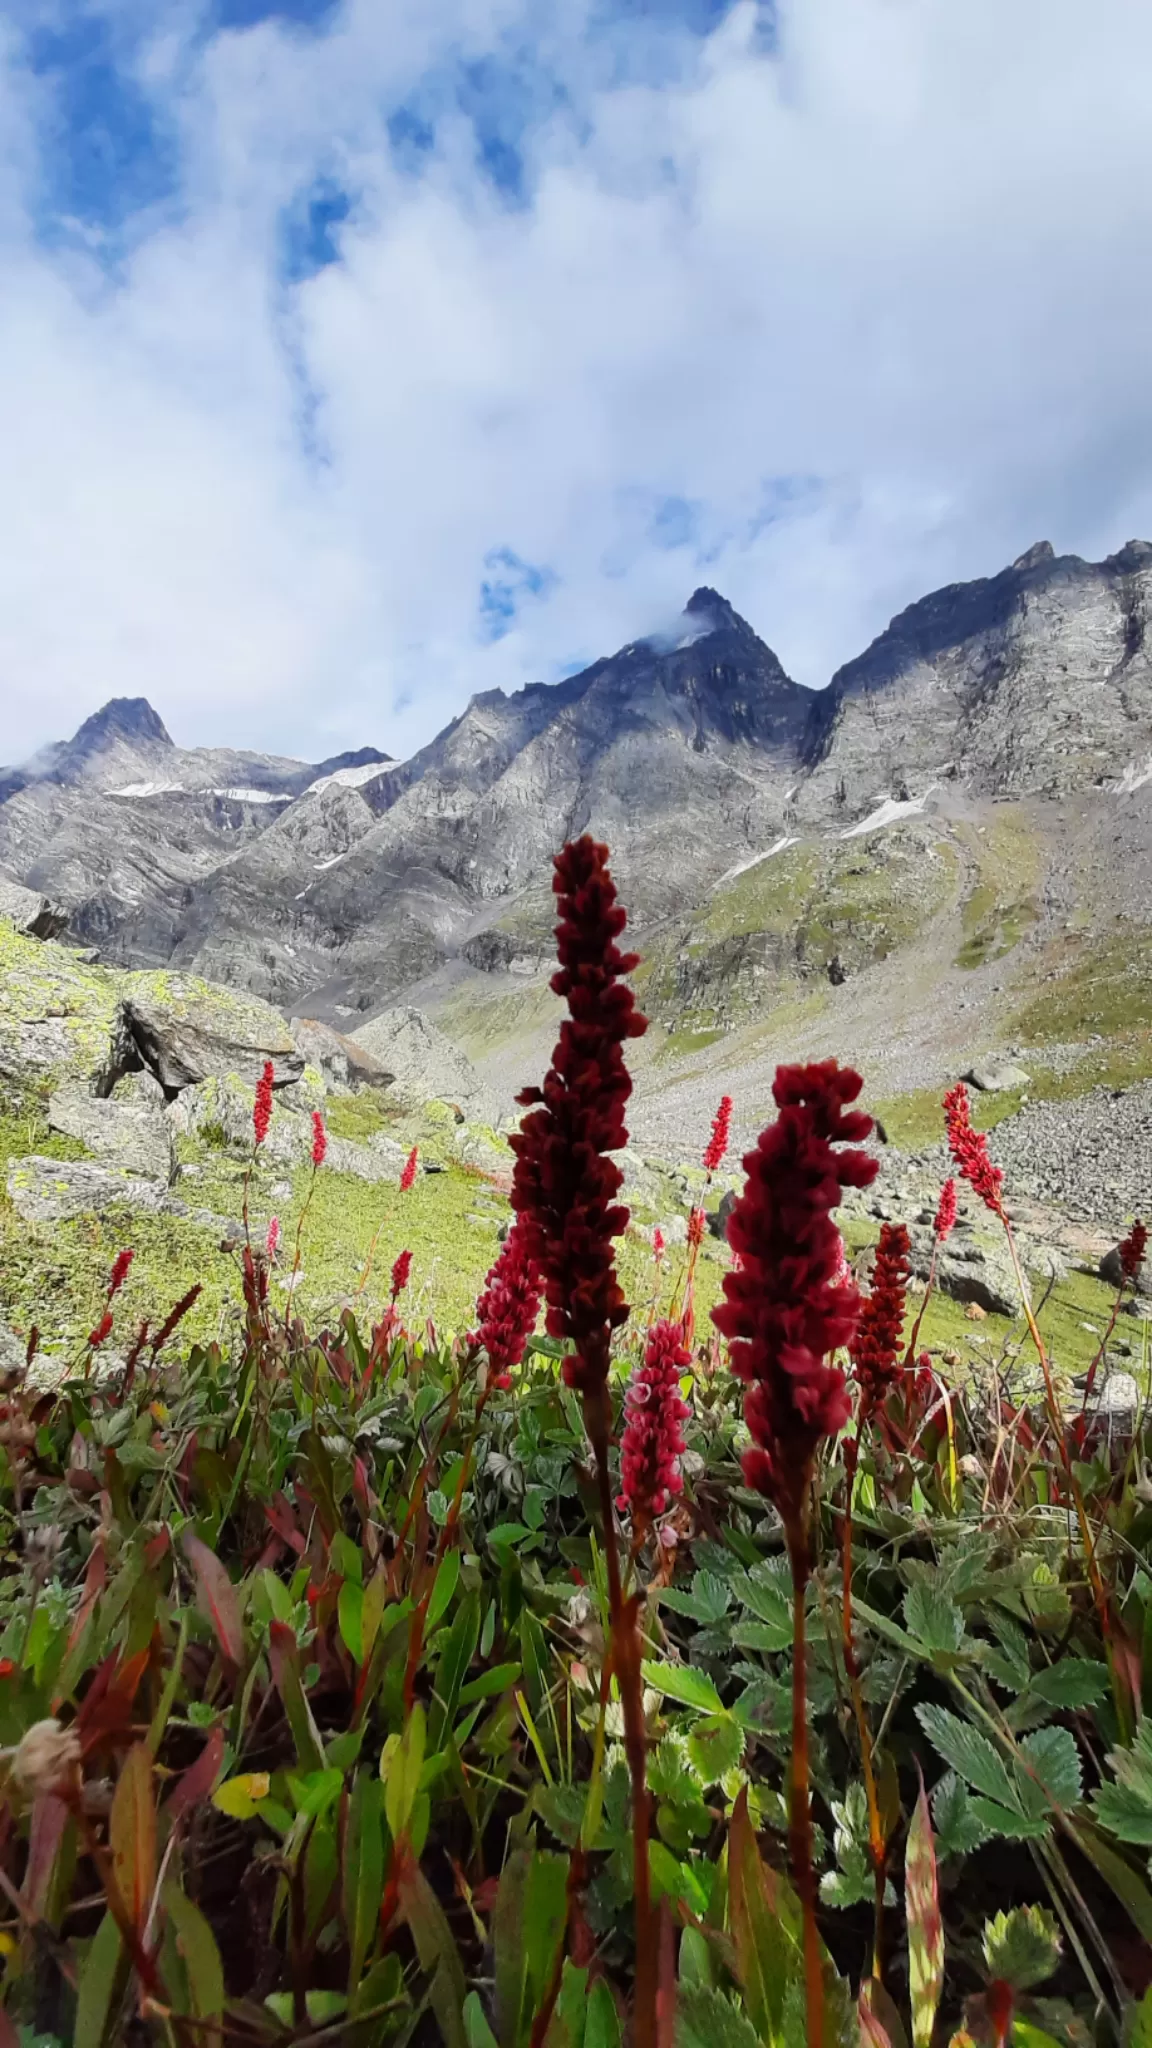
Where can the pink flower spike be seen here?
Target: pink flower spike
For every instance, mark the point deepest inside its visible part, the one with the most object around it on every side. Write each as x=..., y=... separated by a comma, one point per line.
x=946, y=1212
x=103, y=1329
x=969, y=1149
x=272, y=1241
x=717, y=1145
x=408, y=1174
x=319, y=1139
x=262, y=1107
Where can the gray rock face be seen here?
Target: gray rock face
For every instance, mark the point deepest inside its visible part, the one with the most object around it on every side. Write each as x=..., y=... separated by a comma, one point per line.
x=343, y=1062
x=426, y=1065
x=994, y=1079
x=29, y=911
x=130, y=1137
x=191, y=1034
x=54, y=1190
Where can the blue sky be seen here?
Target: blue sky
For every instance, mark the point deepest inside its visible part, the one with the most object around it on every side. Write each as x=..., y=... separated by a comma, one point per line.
x=356, y=358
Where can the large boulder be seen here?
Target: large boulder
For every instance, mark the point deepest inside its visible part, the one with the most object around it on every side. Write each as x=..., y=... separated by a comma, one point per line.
x=343, y=1062
x=184, y=1031
x=53, y=1190
x=56, y=1011
x=994, y=1077
x=32, y=914
x=427, y=1066
x=129, y=1136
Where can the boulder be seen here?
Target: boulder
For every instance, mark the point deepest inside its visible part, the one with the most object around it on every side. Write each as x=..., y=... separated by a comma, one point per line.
x=183, y=1031
x=343, y=1062
x=973, y=1272
x=135, y=1138
x=13, y=1350
x=485, y=1152
x=718, y=1217
x=53, y=1190
x=993, y=1077
x=32, y=914
x=1111, y=1270
x=426, y=1065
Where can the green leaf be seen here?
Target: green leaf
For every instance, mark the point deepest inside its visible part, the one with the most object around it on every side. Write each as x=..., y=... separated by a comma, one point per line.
x=958, y=1831
x=1074, y=1682
x=715, y=1745
x=238, y=1797
x=1055, y=1759
x=706, y=2019
x=447, y=1578
x=681, y=1682
x=196, y=1944
x=969, y=1752
x=476, y=2028
x=765, y=1920
x=284, y=1660
x=602, y=2022
x=934, y=1619
x=401, y=1763
x=925, y=1924
x=1124, y=1807
x=363, y=1871
x=439, y=1957
x=350, y=1615
x=103, y=1978
x=1022, y=1947
x=497, y=1678
x=1140, y=2023
x=457, y=1654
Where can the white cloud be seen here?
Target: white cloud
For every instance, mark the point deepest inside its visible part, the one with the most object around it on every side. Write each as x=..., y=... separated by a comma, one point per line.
x=899, y=261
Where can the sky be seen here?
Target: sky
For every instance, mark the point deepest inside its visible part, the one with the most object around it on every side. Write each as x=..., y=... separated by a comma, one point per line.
x=359, y=355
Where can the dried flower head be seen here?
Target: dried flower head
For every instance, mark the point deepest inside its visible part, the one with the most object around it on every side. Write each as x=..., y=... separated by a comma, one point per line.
x=508, y=1307
x=262, y=1107
x=1132, y=1250
x=945, y=1212
x=46, y=1759
x=119, y=1273
x=176, y=1316
x=717, y=1146
x=408, y=1171
x=566, y=1180
x=969, y=1149
x=401, y=1272
x=787, y=1308
x=875, y=1349
x=653, y=1442
x=272, y=1239
x=319, y=1139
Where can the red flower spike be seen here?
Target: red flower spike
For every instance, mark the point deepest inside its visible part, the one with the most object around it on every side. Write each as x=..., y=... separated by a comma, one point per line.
x=945, y=1212
x=319, y=1139
x=653, y=1443
x=658, y=1244
x=717, y=1146
x=785, y=1308
x=508, y=1307
x=103, y=1330
x=565, y=1182
x=876, y=1348
x=695, y=1229
x=408, y=1172
x=969, y=1149
x=400, y=1274
x=119, y=1273
x=1132, y=1250
x=262, y=1107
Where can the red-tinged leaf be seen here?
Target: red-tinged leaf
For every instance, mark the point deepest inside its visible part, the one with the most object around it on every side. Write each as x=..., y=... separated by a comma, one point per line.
x=436, y=1949
x=45, y=1835
x=105, y=1715
x=157, y=1547
x=880, y=2022
x=199, y=1779
x=218, y=1598
x=286, y=1678
x=768, y=1950
x=278, y=1513
x=132, y=1836
x=95, y=1578
x=925, y=1925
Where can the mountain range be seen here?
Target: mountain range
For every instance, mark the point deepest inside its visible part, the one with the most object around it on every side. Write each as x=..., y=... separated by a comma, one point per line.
x=976, y=785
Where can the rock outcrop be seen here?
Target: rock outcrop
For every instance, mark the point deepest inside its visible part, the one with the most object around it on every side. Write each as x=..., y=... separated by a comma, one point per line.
x=426, y=1066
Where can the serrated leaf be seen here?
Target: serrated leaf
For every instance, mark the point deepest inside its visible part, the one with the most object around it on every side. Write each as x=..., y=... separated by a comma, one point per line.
x=1124, y=1807
x=1074, y=1682
x=969, y=1752
x=706, y=2019
x=715, y=1745
x=1022, y=1947
x=682, y=1682
x=933, y=1618
x=1005, y=1822
x=1055, y=1759
x=925, y=1924
x=958, y=1831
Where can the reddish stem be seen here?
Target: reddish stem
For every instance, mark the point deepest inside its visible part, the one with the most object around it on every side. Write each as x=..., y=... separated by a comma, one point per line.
x=799, y=1804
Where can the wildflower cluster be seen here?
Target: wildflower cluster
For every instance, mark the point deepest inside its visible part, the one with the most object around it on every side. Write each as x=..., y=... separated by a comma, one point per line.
x=788, y=1308
x=653, y=1443
x=875, y=1349
x=969, y=1149
x=565, y=1184
x=319, y=1139
x=508, y=1307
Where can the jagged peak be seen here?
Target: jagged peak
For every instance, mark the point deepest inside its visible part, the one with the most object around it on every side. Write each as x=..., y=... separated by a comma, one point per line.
x=1035, y=557
x=122, y=718
x=706, y=603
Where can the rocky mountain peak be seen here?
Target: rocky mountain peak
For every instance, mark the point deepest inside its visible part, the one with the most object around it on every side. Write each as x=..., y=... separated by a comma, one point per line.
x=1034, y=557
x=707, y=605
x=129, y=719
